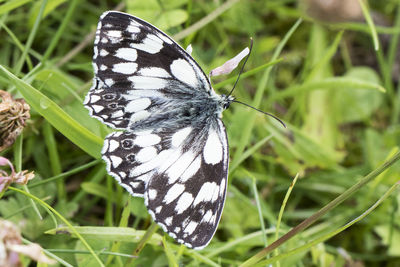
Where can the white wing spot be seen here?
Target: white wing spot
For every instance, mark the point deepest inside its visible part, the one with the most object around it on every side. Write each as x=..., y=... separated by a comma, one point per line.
x=113, y=145
x=213, y=149
x=117, y=114
x=206, y=192
x=222, y=187
x=103, y=52
x=179, y=166
x=146, y=154
x=191, y=170
x=97, y=108
x=174, y=192
x=150, y=165
x=191, y=227
x=145, y=177
x=177, y=229
x=154, y=72
x=135, y=184
x=164, y=38
x=173, y=156
x=149, y=45
x=137, y=105
x=133, y=29
x=115, y=161
x=215, y=194
x=95, y=68
x=147, y=140
x=207, y=217
x=103, y=67
x=109, y=82
x=128, y=54
x=125, y=68
x=158, y=209
x=172, y=235
x=114, y=34
x=184, y=72
x=94, y=98
x=135, y=94
x=141, y=115
x=152, y=194
x=141, y=82
x=180, y=136
x=168, y=221
x=184, y=202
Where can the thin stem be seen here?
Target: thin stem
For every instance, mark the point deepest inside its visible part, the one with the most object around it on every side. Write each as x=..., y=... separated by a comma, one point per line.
x=204, y=21
x=153, y=227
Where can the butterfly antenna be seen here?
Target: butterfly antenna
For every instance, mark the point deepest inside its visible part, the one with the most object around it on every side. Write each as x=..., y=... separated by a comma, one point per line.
x=266, y=113
x=241, y=70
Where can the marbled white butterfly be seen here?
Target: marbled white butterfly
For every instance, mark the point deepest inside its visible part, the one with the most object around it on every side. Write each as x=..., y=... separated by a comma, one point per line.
x=173, y=150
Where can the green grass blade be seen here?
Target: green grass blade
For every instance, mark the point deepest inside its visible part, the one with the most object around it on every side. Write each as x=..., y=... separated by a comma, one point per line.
x=331, y=234
x=123, y=234
x=10, y=5
x=328, y=83
x=71, y=129
x=310, y=220
x=31, y=37
x=370, y=23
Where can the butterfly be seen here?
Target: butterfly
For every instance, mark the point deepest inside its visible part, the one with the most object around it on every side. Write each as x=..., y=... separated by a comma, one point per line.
x=173, y=148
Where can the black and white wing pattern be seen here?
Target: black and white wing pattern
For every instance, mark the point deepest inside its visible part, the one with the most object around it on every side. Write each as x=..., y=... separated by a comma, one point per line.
x=173, y=149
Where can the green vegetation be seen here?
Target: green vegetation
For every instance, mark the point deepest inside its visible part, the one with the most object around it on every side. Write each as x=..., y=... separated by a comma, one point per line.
x=335, y=85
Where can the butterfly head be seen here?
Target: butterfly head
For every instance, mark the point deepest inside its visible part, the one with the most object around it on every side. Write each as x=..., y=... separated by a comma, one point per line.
x=226, y=101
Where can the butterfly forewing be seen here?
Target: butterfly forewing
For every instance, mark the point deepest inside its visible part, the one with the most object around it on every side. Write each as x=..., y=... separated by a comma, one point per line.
x=137, y=68
x=173, y=150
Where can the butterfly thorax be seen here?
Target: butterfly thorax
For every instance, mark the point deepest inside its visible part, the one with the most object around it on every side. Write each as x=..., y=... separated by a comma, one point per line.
x=201, y=110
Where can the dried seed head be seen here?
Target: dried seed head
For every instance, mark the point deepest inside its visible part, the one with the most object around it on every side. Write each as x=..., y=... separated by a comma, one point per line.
x=21, y=177
x=11, y=246
x=13, y=114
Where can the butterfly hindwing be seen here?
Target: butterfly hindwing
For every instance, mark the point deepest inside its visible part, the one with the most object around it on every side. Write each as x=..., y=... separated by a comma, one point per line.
x=181, y=173
x=187, y=194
